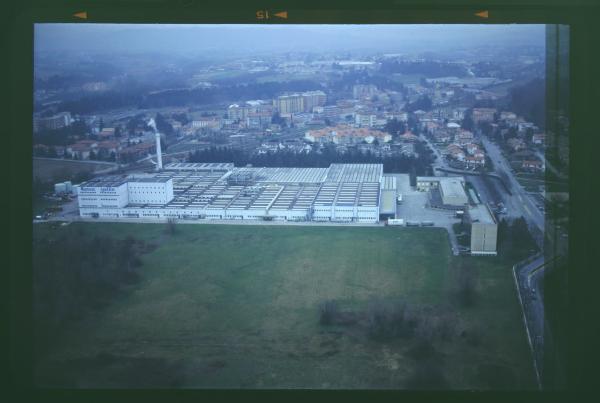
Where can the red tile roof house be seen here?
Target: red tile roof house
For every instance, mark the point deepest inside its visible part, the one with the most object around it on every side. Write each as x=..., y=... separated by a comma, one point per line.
x=533, y=164
x=137, y=151
x=475, y=160
x=80, y=151
x=456, y=152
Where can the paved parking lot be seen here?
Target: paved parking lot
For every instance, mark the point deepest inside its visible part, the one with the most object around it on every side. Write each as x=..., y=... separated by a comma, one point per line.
x=414, y=208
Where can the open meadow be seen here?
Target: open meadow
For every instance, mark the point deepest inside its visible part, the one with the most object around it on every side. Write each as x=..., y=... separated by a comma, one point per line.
x=47, y=169
x=293, y=307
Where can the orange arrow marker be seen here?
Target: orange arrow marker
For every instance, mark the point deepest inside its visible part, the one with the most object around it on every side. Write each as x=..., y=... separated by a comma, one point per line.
x=82, y=15
x=282, y=14
x=483, y=14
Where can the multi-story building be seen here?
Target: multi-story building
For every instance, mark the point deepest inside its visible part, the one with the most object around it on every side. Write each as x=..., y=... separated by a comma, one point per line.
x=313, y=99
x=237, y=112
x=257, y=120
x=361, y=91
x=346, y=135
x=463, y=137
x=57, y=121
x=149, y=190
x=204, y=123
x=365, y=119
x=483, y=115
x=484, y=230
x=287, y=104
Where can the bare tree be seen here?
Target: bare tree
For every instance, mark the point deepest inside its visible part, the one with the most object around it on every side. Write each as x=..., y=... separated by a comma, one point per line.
x=171, y=226
x=386, y=321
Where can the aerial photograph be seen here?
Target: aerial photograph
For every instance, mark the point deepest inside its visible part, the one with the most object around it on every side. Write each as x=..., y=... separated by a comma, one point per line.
x=297, y=207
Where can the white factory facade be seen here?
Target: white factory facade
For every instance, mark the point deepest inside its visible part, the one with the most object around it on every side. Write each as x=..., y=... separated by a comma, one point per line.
x=219, y=191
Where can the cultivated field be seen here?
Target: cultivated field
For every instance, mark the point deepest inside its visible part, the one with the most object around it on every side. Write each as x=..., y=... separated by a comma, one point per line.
x=238, y=307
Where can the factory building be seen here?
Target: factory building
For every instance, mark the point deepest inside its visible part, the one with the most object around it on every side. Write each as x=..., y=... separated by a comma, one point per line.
x=103, y=194
x=444, y=192
x=425, y=183
x=149, y=190
x=58, y=121
x=342, y=193
x=484, y=230
x=389, y=195
x=452, y=192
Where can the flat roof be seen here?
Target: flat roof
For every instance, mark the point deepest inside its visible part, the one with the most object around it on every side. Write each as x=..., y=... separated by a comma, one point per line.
x=452, y=187
x=354, y=173
x=274, y=188
x=429, y=178
x=389, y=183
x=388, y=203
x=198, y=166
x=148, y=179
x=285, y=175
x=481, y=213
x=106, y=181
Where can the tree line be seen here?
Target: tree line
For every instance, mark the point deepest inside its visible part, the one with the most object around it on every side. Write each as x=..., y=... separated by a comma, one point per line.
x=515, y=241
x=63, y=136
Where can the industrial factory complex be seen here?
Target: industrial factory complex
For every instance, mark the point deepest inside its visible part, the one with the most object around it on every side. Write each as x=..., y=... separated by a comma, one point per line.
x=342, y=193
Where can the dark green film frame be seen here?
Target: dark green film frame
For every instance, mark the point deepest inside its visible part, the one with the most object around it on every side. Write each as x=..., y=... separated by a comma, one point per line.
x=583, y=61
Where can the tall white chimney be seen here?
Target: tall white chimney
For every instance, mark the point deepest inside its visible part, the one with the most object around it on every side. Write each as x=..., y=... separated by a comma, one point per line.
x=159, y=165
x=158, y=153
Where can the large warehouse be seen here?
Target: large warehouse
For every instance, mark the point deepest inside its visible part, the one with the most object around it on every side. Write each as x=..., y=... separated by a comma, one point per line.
x=447, y=192
x=342, y=193
x=453, y=192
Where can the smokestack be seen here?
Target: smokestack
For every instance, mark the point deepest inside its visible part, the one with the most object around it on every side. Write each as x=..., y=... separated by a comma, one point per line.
x=159, y=165
x=158, y=153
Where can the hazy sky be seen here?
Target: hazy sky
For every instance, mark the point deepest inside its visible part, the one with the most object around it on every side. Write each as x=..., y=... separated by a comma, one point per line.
x=265, y=38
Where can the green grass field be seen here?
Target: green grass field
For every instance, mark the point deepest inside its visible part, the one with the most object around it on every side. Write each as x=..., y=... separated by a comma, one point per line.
x=238, y=307
x=61, y=170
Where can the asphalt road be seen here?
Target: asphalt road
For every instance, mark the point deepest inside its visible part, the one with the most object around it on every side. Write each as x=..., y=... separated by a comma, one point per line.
x=528, y=277
x=520, y=203
x=439, y=162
